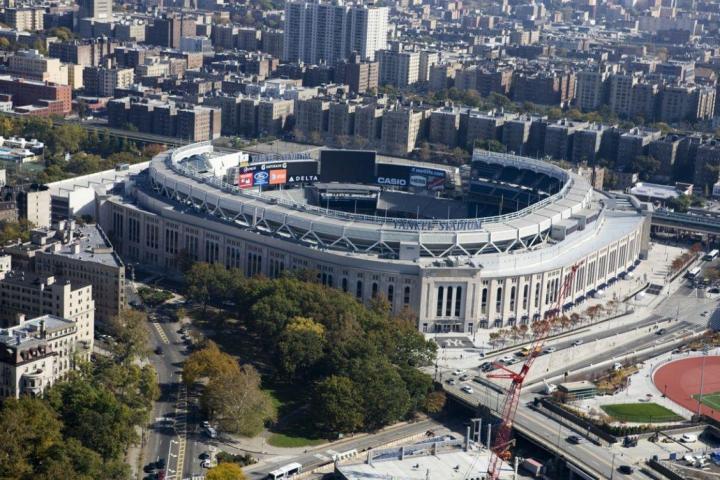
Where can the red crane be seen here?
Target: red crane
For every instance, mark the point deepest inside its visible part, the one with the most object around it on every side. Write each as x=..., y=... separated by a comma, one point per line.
x=501, y=446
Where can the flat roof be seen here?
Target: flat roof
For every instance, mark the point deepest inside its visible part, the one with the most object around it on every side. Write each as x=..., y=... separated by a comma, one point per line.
x=94, y=247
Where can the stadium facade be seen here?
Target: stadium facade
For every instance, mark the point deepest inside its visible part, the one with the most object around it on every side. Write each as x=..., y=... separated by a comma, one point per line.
x=483, y=247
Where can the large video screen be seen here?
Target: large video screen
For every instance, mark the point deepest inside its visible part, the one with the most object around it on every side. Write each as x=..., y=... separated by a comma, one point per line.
x=352, y=166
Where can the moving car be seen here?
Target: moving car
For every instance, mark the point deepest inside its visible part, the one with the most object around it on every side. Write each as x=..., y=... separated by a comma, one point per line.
x=626, y=469
x=550, y=349
x=574, y=439
x=688, y=438
x=577, y=342
x=158, y=350
x=467, y=389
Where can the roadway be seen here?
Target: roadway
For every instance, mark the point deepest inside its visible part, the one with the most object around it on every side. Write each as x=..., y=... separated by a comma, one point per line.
x=319, y=456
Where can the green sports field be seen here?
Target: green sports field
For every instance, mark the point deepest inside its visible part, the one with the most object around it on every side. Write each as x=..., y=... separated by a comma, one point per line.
x=712, y=400
x=640, y=413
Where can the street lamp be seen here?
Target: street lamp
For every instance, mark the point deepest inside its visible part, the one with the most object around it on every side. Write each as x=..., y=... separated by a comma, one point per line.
x=612, y=466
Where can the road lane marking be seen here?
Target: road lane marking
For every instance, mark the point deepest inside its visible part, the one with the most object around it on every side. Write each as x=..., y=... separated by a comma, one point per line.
x=161, y=333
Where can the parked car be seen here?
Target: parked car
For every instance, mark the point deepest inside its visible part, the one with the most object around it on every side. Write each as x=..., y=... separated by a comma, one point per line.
x=451, y=381
x=158, y=350
x=688, y=438
x=626, y=469
x=458, y=372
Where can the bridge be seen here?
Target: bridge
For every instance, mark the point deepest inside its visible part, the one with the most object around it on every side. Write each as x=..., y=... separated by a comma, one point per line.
x=586, y=460
x=687, y=222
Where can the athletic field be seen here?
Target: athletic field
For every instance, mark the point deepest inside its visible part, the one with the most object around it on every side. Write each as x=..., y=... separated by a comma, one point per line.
x=640, y=413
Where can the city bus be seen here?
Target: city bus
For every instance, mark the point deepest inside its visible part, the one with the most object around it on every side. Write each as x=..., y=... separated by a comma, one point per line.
x=693, y=273
x=711, y=255
x=287, y=471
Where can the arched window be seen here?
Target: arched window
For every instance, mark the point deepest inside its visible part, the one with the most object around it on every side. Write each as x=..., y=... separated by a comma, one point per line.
x=344, y=285
x=513, y=291
x=484, y=301
x=374, y=289
x=498, y=299
x=390, y=293
x=359, y=289
x=406, y=296
x=448, y=301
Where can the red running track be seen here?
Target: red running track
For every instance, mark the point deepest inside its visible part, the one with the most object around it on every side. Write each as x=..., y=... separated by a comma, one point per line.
x=680, y=380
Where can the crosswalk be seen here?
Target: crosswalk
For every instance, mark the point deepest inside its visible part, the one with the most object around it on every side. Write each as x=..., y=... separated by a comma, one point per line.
x=161, y=333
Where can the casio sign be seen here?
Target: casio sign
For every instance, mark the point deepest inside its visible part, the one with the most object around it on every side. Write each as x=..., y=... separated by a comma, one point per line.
x=397, y=182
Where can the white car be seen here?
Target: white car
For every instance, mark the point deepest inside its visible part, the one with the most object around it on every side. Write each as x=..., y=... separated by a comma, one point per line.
x=507, y=359
x=207, y=463
x=578, y=342
x=550, y=349
x=458, y=372
x=211, y=432
x=467, y=389
x=688, y=438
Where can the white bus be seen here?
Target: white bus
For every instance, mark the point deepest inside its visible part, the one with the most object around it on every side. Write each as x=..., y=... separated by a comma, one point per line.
x=693, y=272
x=287, y=471
x=711, y=255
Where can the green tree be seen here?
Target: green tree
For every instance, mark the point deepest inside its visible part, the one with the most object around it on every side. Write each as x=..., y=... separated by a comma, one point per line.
x=94, y=416
x=226, y=471
x=385, y=396
x=301, y=346
x=647, y=166
x=130, y=331
x=418, y=385
x=337, y=405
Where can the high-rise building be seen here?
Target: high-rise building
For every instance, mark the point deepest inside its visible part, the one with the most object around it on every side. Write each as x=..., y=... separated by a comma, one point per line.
x=95, y=9
x=25, y=18
x=328, y=32
x=590, y=90
x=359, y=76
x=166, y=31
x=103, y=81
x=398, y=68
x=31, y=65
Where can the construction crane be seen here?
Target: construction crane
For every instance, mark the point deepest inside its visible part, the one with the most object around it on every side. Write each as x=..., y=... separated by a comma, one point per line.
x=500, y=450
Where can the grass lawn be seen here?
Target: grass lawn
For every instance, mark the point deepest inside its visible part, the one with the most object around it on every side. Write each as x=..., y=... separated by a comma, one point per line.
x=289, y=441
x=640, y=412
x=712, y=400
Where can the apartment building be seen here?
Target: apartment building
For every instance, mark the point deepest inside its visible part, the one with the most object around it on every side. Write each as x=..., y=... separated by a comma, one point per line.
x=401, y=129
x=195, y=123
x=37, y=353
x=398, y=68
x=166, y=31
x=198, y=124
x=56, y=98
x=25, y=19
x=31, y=295
x=590, y=90
x=620, y=93
x=86, y=52
x=358, y=75
x=317, y=32
x=559, y=138
x=445, y=126
x=103, y=81
x=31, y=65
x=311, y=115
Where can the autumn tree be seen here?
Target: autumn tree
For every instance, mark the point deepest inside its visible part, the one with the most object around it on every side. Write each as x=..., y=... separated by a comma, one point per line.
x=226, y=471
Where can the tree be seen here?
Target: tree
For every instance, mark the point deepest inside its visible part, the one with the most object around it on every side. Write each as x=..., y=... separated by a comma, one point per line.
x=435, y=402
x=645, y=165
x=206, y=281
x=301, y=346
x=130, y=331
x=208, y=363
x=385, y=398
x=94, y=416
x=226, y=471
x=337, y=406
x=238, y=404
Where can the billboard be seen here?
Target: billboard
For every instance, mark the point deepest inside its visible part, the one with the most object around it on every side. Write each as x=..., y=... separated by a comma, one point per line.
x=392, y=175
x=407, y=176
x=277, y=173
x=352, y=166
x=278, y=176
x=303, y=171
x=245, y=180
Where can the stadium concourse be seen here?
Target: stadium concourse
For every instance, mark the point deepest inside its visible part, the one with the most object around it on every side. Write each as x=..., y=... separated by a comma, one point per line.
x=680, y=381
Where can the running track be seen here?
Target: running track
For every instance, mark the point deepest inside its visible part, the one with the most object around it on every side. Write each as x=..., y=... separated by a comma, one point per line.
x=680, y=380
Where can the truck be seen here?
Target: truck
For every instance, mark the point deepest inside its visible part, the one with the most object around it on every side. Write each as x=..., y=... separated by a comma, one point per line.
x=533, y=466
